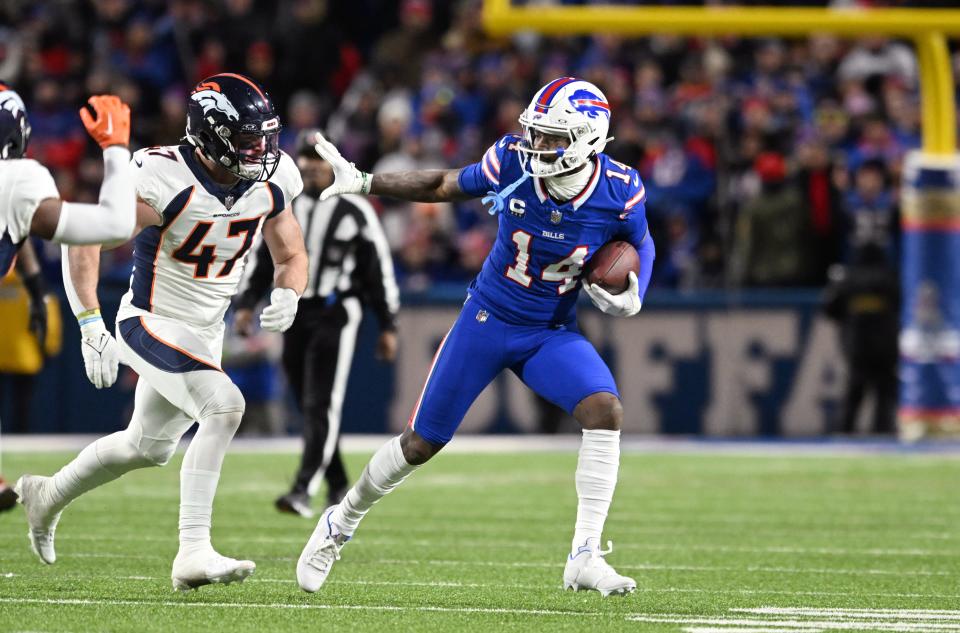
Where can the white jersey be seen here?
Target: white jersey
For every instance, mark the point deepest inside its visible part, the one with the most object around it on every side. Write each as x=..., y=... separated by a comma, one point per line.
x=189, y=267
x=23, y=184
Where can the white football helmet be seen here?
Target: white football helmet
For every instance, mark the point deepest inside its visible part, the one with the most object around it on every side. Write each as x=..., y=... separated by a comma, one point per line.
x=567, y=107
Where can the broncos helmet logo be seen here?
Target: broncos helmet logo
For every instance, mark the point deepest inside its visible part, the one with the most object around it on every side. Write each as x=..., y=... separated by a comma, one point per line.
x=211, y=99
x=10, y=101
x=589, y=103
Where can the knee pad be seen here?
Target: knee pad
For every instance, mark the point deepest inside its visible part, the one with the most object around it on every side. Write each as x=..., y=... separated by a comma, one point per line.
x=158, y=452
x=150, y=450
x=217, y=394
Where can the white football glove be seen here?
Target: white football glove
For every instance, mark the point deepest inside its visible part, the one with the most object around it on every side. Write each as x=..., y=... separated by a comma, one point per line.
x=347, y=178
x=101, y=354
x=625, y=304
x=279, y=315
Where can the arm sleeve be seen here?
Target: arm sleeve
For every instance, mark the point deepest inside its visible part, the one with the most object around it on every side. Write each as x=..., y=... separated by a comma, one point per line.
x=636, y=231
x=480, y=178
x=379, y=283
x=258, y=279
x=75, y=305
x=114, y=217
x=647, y=253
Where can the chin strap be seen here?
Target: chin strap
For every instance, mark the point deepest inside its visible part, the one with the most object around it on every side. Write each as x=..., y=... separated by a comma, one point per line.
x=498, y=200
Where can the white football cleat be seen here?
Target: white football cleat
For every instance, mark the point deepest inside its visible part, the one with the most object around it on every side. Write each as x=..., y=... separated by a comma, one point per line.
x=587, y=569
x=196, y=568
x=42, y=519
x=320, y=553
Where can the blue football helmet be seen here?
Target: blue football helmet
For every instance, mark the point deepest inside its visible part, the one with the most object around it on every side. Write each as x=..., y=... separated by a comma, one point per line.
x=14, y=127
x=231, y=119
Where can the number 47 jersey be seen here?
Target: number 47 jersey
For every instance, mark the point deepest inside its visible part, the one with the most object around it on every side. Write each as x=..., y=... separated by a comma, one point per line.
x=190, y=265
x=532, y=274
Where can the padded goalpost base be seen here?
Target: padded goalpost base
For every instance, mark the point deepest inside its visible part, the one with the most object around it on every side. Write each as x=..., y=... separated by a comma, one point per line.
x=930, y=311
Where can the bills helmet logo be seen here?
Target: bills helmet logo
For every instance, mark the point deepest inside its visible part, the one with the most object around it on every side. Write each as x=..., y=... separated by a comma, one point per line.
x=589, y=103
x=209, y=97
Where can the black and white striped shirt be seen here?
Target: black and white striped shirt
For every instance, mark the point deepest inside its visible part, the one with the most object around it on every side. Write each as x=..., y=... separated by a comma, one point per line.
x=349, y=257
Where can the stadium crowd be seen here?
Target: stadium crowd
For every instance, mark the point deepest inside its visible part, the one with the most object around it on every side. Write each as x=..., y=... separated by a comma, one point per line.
x=765, y=160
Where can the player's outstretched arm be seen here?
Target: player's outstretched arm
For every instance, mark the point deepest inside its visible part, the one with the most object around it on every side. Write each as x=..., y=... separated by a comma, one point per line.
x=428, y=185
x=114, y=217
x=285, y=242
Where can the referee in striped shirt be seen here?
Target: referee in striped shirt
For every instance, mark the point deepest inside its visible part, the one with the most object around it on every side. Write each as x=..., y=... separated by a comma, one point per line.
x=350, y=267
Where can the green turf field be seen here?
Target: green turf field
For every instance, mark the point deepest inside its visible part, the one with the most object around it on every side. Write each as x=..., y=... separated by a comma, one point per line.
x=477, y=542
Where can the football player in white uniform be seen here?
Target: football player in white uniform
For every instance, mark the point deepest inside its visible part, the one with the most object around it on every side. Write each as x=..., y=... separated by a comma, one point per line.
x=200, y=208
x=30, y=203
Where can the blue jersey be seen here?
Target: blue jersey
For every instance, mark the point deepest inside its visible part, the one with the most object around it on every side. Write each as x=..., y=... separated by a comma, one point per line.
x=532, y=274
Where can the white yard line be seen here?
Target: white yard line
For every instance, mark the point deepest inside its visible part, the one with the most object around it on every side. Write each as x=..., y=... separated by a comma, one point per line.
x=805, y=625
x=742, y=629
x=258, y=605
x=905, y=620
x=697, y=568
x=861, y=614
x=775, y=592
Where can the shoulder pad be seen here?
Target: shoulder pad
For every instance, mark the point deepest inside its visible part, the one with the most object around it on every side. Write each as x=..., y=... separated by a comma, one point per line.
x=287, y=178
x=159, y=174
x=156, y=155
x=626, y=182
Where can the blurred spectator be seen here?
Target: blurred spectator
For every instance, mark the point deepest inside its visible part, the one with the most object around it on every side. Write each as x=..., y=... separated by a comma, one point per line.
x=171, y=122
x=399, y=54
x=429, y=247
x=312, y=52
x=822, y=198
x=773, y=232
x=303, y=113
x=877, y=58
x=864, y=298
x=871, y=211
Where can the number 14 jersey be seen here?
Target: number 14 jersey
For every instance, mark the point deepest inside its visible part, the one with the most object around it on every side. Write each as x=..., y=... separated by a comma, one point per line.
x=532, y=274
x=190, y=265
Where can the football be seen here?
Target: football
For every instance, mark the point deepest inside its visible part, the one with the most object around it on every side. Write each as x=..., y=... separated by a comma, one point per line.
x=609, y=266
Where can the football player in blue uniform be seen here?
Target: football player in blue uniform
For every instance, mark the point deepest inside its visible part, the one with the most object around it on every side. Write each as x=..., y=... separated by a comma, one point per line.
x=559, y=199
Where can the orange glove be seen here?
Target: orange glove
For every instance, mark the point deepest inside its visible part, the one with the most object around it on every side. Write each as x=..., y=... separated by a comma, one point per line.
x=112, y=125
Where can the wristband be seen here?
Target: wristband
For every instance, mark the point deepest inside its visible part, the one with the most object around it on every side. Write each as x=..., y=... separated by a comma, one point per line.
x=89, y=316
x=366, y=182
